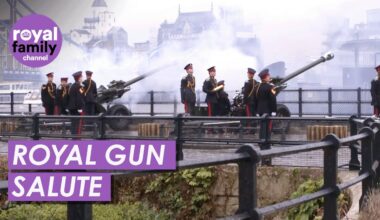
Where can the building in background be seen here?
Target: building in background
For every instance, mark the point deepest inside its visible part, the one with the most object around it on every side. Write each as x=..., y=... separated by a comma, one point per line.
x=359, y=51
x=189, y=27
x=10, y=69
x=99, y=30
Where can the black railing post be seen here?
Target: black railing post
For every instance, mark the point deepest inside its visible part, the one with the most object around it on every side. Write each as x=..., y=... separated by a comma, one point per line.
x=79, y=210
x=30, y=108
x=359, y=95
x=366, y=151
x=198, y=98
x=354, y=163
x=248, y=182
x=300, y=102
x=12, y=103
x=36, y=126
x=102, y=126
x=330, y=101
x=330, y=173
x=175, y=106
x=179, y=141
x=151, y=103
x=376, y=150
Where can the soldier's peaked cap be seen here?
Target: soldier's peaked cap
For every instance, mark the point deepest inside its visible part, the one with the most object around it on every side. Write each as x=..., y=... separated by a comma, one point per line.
x=64, y=79
x=211, y=69
x=89, y=73
x=377, y=67
x=188, y=66
x=251, y=70
x=77, y=75
x=50, y=74
x=264, y=73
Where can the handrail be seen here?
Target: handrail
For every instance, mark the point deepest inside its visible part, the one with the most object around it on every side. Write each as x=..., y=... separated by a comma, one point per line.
x=247, y=157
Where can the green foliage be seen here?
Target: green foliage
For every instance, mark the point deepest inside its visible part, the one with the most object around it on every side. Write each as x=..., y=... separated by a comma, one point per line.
x=308, y=210
x=185, y=193
x=35, y=211
x=314, y=209
x=126, y=211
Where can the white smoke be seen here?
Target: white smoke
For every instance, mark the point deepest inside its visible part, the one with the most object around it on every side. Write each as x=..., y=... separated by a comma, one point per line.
x=293, y=31
x=213, y=48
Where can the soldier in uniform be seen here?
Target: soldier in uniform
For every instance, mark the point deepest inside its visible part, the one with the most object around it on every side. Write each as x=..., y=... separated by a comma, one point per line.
x=249, y=93
x=375, y=93
x=62, y=97
x=90, y=94
x=209, y=86
x=48, y=91
x=76, y=102
x=266, y=105
x=224, y=105
x=188, y=96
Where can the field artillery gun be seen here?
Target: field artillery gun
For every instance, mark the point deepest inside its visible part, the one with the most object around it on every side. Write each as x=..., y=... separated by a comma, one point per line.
x=115, y=90
x=238, y=106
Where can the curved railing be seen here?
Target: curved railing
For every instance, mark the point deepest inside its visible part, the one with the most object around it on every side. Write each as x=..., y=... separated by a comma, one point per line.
x=248, y=158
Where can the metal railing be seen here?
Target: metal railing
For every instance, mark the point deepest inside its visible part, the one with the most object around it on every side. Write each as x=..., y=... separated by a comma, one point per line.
x=186, y=130
x=248, y=158
x=300, y=102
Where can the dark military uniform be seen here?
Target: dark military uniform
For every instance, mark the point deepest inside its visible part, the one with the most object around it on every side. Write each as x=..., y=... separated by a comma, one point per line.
x=48, y=97
x=375, y=93
x=62, y=99
x=266, y=99
x=212, y=96
x=188, y=96
x=224, y=105
x=249, y=96
x=90, y=94
x=266, y=103
x=76, y=103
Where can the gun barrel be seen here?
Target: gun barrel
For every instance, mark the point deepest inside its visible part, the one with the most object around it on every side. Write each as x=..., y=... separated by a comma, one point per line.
x=134, y=80
x=324, y=58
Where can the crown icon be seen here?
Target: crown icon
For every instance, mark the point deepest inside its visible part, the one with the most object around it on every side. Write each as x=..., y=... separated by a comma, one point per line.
x=26, y=34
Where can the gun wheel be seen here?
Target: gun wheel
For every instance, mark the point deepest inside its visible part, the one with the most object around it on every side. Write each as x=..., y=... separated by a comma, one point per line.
x=281, y=126
x=117, y=124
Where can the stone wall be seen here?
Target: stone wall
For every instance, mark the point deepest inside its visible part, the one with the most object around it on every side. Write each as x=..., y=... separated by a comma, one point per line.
x=275, y=184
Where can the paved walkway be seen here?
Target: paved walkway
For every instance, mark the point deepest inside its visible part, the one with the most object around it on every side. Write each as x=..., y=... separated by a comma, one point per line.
x=356, y=192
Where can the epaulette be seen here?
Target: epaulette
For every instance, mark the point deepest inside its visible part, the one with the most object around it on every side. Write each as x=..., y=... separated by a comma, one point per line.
x=43, y=86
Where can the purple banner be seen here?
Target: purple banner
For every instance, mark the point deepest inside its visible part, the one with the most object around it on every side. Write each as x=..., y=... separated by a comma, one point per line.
x=59, y=186
x=92, y=155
